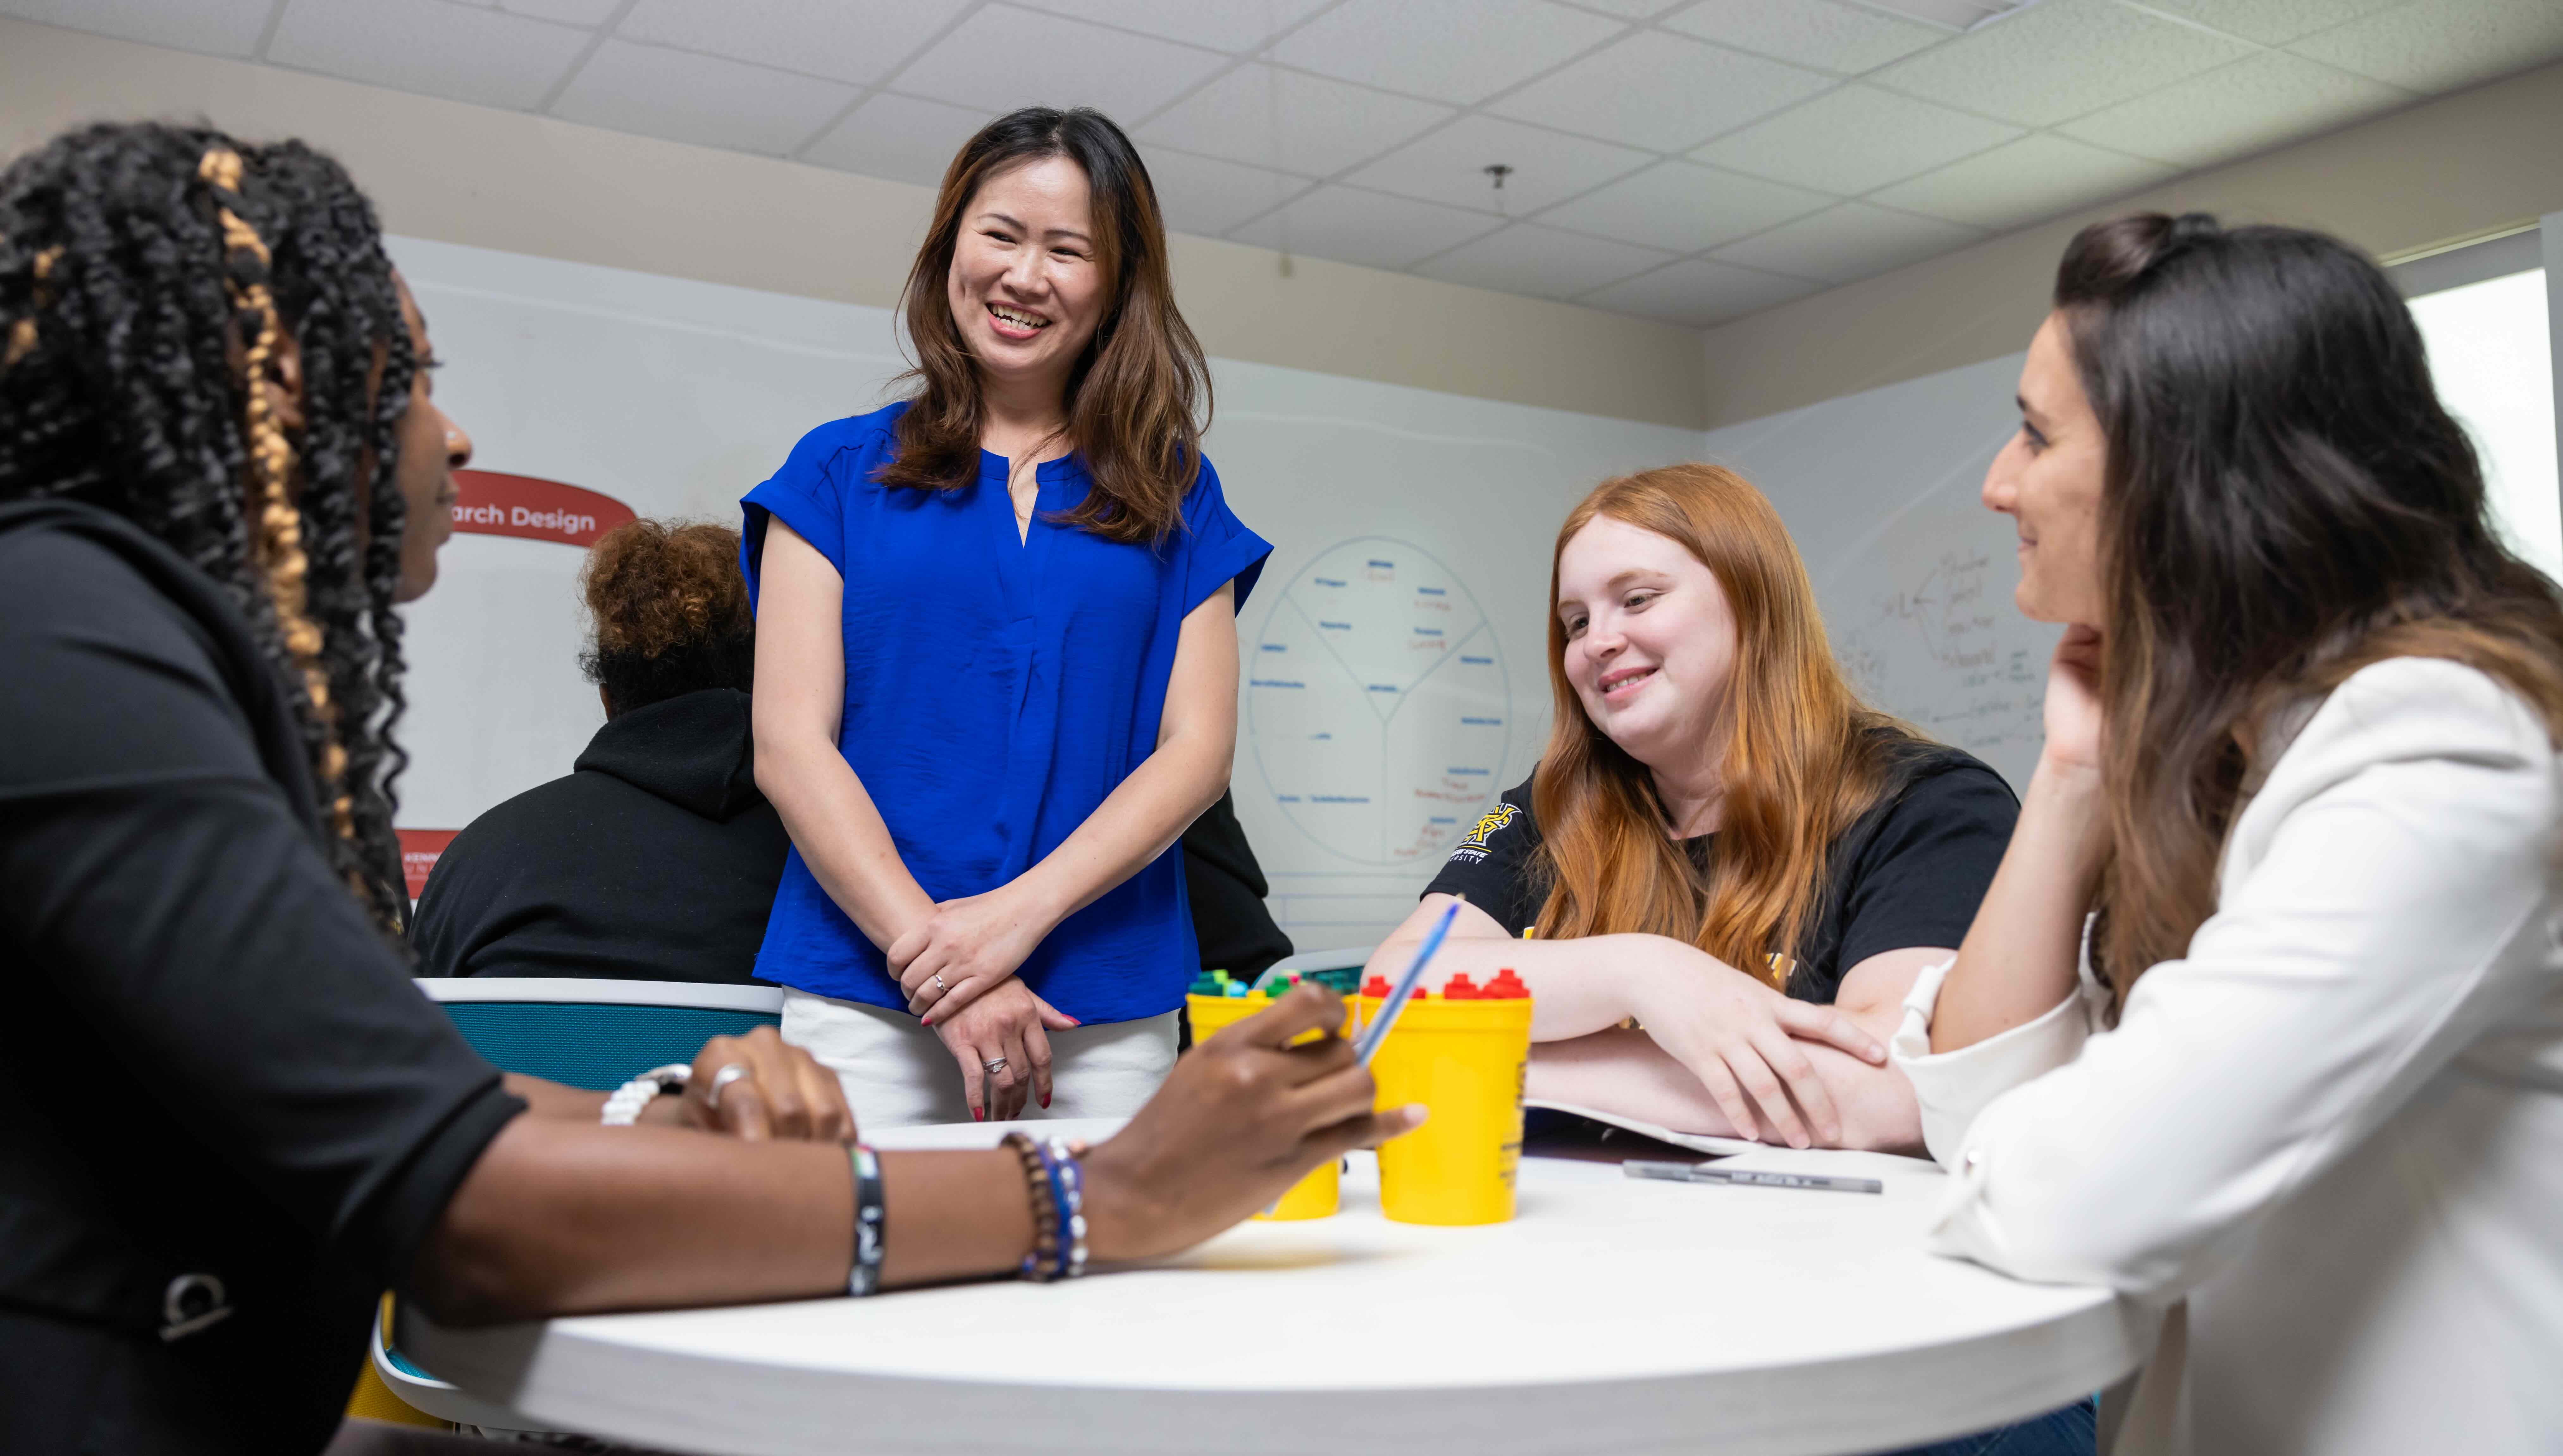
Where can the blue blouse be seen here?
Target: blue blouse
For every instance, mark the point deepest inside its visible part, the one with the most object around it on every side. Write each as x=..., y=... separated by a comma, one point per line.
x=997, y=689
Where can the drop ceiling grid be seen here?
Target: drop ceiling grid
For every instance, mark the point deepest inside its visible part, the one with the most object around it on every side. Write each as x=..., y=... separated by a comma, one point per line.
x=2058, y=106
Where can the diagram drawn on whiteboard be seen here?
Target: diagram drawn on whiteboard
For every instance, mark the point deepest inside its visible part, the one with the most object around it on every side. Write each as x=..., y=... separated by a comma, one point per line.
x=1377, y=703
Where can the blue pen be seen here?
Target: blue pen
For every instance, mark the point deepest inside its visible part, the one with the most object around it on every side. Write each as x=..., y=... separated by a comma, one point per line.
x=1377, y=1031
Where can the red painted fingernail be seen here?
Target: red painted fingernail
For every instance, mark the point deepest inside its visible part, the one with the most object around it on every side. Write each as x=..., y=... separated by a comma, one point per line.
x=1044, y=1102
x=1075, y=1023
x=977, y=1116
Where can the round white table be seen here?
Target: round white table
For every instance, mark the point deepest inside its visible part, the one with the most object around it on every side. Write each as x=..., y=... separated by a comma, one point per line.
x=1612, y=1315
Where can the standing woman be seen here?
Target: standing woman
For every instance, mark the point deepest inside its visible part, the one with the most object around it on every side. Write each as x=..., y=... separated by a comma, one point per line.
x=2305, y=1086
x=997, y=657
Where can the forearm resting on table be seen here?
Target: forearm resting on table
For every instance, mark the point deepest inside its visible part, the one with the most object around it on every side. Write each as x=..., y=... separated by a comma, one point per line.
x=1627, y=1073
x=1573, y=993
x=558, y=1219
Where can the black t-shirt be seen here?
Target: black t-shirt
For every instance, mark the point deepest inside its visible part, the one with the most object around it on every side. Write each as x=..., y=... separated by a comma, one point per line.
x=215, y=1065
x=655, y=860
x=1226, y=888
x=1908, y=872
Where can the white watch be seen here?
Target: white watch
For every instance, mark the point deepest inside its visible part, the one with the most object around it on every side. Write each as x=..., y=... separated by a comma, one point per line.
x=624, y=1107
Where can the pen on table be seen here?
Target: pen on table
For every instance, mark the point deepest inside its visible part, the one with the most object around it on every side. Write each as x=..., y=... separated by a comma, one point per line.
x=1751, y=1177
x=1377, y=1031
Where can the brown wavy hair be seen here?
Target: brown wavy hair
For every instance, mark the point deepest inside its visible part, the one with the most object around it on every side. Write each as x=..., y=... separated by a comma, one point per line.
x=2285, y=501
x=1804, y=756
x=671, y=613
x=1141, y=396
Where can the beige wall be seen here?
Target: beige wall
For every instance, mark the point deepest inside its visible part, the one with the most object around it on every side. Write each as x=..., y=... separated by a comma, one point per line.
x=502, y=179
x=2464, y=166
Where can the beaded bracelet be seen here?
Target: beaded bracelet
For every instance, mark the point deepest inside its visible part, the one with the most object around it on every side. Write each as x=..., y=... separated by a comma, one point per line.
x=1068, y=1184
x=1043, y=1264
x=870, y=1214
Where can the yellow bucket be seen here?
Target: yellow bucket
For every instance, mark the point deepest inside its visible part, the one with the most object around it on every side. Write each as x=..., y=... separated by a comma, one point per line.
x=1464, y=1061
x=1317, y=1194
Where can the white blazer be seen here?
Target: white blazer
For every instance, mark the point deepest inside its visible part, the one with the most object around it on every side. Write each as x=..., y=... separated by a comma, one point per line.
x=2335, y=1129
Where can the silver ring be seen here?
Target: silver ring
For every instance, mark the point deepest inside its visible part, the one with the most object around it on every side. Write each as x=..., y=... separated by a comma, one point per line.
x=939, y=981
x=994, y=1066
x=720, y=1079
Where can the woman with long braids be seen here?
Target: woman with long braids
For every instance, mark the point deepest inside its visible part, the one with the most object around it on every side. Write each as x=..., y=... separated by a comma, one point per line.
x=229, y=1119
x=2263, y=1019
x=996, y=656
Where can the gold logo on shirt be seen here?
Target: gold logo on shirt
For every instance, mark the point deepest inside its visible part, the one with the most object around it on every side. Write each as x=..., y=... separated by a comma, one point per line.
x=1488, y=823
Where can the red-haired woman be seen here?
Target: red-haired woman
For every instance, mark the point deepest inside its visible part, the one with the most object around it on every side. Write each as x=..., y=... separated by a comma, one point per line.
x=996, y=656
x=1733, y=869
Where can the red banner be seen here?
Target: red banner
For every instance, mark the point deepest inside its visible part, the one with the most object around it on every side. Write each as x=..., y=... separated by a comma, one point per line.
x=490, y=503
x=420, y=850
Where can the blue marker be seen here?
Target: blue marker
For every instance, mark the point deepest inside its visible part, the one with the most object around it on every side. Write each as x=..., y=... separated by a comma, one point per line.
x=1377, y=1031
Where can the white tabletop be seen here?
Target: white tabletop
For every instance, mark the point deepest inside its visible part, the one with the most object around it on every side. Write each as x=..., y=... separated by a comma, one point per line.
x=1612, y=1315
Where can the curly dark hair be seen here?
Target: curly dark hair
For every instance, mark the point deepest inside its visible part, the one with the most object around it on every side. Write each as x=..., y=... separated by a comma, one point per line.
x=147, y=272
x=671, y=612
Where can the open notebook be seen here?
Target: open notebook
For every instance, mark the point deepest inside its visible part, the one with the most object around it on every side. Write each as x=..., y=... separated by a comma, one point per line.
x=1696, y=1141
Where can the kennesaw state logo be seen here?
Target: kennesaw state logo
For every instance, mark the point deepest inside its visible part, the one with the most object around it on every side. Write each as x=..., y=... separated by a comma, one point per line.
x=1474, y=847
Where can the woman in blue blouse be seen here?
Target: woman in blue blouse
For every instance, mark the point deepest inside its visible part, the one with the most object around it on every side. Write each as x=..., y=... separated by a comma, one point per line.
x=996, y=662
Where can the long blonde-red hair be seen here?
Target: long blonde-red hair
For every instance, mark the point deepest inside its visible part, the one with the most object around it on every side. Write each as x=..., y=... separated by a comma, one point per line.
x=1804, y=756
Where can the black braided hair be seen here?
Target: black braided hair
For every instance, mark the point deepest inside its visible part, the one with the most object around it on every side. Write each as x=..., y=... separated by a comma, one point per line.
x=139, y=265
x=333, y=286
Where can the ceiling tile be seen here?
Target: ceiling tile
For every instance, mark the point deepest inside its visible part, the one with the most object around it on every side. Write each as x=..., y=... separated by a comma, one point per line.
x=1542, y=263
x=1450, y=50
x=2271, y=22
x=1325, y=125
x=2431, y=46
x=1824, y=33
x=1625, y=9
x=898, y=137
x=855, y=40
x=1449, y=167
x=1229, y=27
x=443, y=49
x=1661, y=91
x=215, y=27
x=2020, y=182
x=2060, y=59
x=1699, y=293
x=1207, y=196
x=2236, y=109
x=1855, y=140
x=703, y=99
x=1003, y=58
x=1849, y=242
x=1368, y=228
x=590, y=13
x=1684, y=207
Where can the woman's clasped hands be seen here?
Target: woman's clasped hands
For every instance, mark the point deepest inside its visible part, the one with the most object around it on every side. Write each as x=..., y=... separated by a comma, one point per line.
x=1742, y=1039
x=957, y=966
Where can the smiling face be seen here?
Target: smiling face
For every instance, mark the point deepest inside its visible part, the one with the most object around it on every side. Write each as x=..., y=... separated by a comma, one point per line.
x=1650, y=642
x=1027, y=287
x=2048, y=481
x=432, y=447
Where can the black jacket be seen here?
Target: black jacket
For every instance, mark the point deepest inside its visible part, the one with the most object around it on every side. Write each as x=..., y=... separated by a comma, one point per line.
x=655, y=860
x=229, y=1119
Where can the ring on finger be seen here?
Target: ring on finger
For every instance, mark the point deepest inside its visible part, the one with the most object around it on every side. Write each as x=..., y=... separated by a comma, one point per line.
x=722, y=1078
x=939, y=981
x=993, y=1065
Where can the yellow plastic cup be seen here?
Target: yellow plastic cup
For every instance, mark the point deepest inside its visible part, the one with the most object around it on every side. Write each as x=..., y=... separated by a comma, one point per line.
x=1318, y=1194
x=1464, y=1061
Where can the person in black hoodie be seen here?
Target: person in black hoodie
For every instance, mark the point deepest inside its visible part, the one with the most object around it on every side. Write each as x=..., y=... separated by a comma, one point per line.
x=655, y=859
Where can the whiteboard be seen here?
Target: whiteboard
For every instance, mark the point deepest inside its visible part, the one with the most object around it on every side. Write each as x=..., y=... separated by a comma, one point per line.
x=1914, y=573
x=673, y=397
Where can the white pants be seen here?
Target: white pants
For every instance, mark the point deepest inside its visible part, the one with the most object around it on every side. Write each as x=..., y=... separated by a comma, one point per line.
x=898, y=1073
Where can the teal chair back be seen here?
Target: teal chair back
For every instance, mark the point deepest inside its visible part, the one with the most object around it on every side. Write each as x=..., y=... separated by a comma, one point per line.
x=597, y=1034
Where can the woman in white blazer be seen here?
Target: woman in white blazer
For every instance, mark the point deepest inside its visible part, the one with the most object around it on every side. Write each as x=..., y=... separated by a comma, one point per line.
x=2298, y=1081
